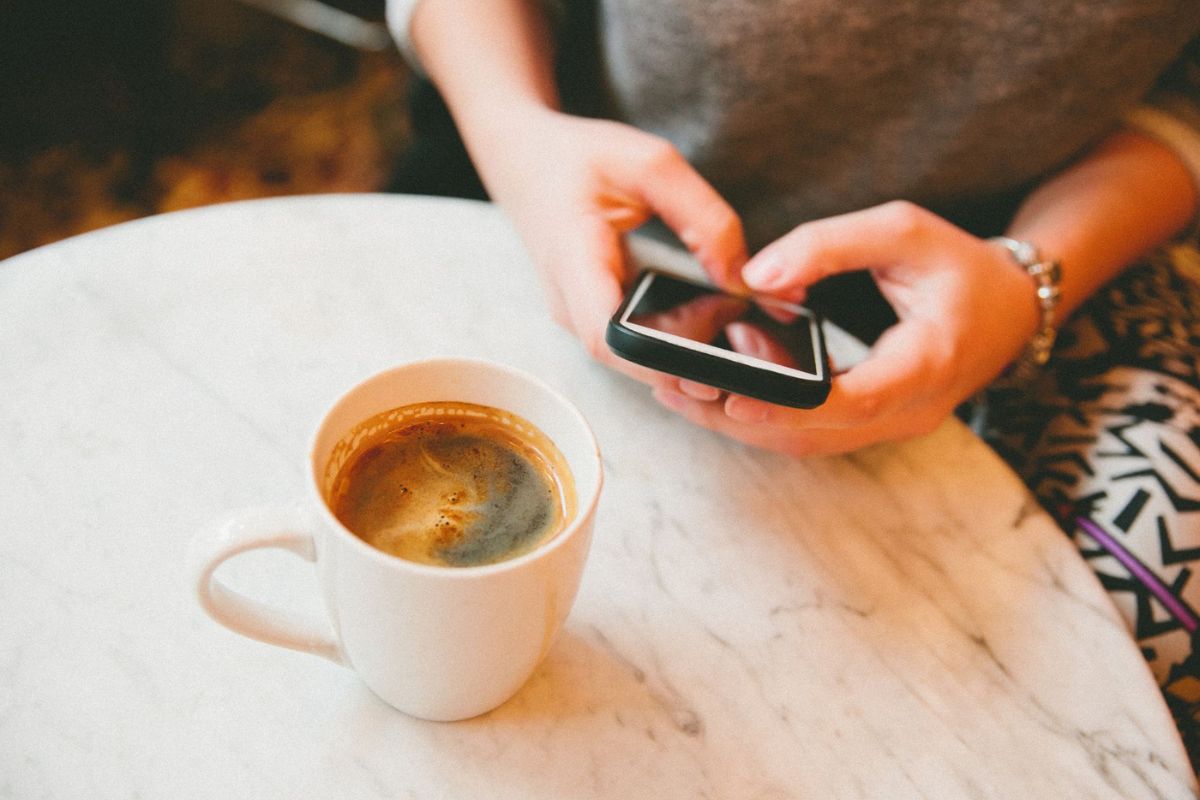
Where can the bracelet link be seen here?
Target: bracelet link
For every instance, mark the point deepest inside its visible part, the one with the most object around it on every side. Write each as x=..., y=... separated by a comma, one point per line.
x=1046, y=275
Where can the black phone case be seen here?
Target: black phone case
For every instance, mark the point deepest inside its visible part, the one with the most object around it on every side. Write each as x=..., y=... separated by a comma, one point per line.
x=786, y=390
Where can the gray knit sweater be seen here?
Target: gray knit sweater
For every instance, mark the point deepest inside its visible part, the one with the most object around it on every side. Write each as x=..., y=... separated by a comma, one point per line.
x=796, y=109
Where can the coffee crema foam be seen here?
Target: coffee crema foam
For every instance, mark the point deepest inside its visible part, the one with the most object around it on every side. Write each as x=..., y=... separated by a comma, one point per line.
x=451, y=484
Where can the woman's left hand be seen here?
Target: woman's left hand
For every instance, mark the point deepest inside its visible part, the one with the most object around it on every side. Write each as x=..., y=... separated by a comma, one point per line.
x=965, y=312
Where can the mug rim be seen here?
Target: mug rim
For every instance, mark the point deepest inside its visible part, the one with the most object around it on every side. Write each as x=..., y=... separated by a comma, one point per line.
x=584, y=510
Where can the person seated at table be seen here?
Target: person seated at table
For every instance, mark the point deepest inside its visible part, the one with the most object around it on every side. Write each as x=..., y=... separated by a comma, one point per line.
x=860, y=156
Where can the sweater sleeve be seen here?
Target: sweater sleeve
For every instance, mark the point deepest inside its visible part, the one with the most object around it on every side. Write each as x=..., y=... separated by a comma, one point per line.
x=399, y=22
x=1171, y=111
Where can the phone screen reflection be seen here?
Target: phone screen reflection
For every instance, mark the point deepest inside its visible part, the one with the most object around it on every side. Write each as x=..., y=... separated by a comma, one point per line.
x=758, y=328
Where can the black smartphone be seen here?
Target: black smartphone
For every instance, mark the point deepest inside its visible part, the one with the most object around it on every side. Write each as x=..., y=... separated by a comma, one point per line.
x=752, y=345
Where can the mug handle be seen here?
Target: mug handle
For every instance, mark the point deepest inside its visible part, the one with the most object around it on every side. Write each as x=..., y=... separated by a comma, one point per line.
x=283, y=527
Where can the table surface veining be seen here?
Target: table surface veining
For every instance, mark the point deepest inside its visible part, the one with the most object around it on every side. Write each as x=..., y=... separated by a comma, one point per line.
x=902, y=622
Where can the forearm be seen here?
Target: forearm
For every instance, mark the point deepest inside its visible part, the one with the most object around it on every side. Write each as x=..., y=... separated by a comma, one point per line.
x=490, y=61
x=1127, y=196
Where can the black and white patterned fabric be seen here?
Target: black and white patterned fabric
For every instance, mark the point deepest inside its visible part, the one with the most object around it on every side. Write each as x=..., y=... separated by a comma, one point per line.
x=1108, y=439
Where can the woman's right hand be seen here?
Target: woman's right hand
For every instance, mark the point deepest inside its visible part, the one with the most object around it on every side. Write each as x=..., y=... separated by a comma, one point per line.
x=573, y=187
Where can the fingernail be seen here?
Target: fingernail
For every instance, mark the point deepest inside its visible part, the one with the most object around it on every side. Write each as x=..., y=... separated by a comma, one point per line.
x=763, y=271
x=743, y=410
x=699, y=391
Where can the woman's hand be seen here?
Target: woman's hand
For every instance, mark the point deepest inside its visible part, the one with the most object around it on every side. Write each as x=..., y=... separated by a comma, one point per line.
x=574, y=186
x=965, y=311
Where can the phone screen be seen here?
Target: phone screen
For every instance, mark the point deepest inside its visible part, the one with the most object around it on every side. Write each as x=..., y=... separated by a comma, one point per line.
x=758, y=331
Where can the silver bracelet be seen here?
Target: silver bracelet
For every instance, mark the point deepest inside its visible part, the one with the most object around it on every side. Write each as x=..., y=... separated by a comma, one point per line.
x=1046, y=277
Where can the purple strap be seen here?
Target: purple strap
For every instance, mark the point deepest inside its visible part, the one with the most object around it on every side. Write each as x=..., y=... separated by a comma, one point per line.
x=1173, y=603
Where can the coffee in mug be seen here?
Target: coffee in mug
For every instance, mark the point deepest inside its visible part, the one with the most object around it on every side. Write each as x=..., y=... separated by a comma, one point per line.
x=451, y=484
x=447, y=461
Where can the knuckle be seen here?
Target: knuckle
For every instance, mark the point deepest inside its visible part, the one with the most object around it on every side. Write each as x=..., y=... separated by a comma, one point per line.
x=560, y=317
x=866, y=408
x=552, y=299
x=904, y=217
x=595, y=346
x=938, y=369
x=660, y=156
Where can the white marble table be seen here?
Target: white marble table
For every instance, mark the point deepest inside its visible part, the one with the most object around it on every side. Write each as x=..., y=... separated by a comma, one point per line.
x=899, y=623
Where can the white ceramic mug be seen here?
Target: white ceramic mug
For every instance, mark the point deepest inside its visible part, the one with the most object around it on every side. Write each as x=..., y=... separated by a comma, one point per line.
x=440, y=643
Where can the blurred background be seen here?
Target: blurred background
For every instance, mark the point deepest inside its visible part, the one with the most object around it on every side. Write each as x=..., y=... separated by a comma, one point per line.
x=115, y=109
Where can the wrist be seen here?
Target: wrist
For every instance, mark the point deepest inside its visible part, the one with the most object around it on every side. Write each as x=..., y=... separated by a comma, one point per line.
x=1044, y=276
x=510, y=67
x=510, y=122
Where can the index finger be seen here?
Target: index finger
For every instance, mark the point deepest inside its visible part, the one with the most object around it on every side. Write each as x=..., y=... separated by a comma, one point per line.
x=702, y=219
x=872, y=238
